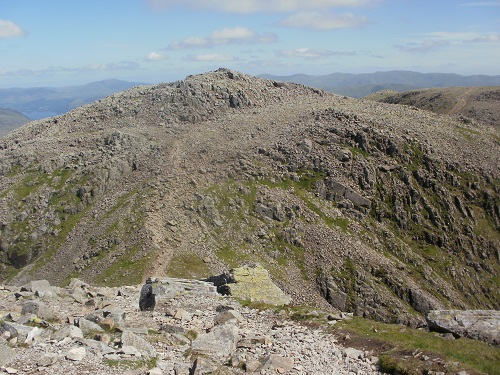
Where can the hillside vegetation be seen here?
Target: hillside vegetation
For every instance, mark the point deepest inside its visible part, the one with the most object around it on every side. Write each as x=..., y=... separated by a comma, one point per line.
x=381, y=210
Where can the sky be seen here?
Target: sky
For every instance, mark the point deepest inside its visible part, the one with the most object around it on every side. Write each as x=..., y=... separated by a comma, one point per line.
x=72, y=42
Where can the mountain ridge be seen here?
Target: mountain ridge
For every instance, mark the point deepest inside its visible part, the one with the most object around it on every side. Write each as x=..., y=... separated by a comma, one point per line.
x=11, y=119
x=363, y=84
x=384, y=211
x=478, y=103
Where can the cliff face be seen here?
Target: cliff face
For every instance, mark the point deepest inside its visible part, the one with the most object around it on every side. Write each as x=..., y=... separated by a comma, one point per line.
x=381, y=210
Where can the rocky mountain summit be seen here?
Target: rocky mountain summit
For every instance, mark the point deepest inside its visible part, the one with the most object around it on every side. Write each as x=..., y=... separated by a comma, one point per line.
x=83, y=329
x=379, y=210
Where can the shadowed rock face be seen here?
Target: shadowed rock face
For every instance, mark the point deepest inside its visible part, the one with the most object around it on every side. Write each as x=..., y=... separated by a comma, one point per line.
x=374, y=209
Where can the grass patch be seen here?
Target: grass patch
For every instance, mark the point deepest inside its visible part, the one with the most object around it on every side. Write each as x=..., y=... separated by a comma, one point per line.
x=468, y=133
x=127, y=269
x=187, y=266
x=398, y=345
x=66, y=226
x=131, y=364
x=356, y=151
x=232, y=256
x=307, y=182
x=122, y=201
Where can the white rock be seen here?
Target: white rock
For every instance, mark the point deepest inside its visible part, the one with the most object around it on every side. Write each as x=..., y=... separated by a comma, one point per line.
x=76, y=354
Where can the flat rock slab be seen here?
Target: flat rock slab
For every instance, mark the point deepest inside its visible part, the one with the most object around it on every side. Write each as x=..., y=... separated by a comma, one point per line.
x=254, y=284
x=76, y=354
x=144, y=347
x=220, y=341
x=475, y=324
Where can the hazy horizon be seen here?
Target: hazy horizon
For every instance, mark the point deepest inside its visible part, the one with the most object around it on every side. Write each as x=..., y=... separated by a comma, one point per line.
x=52, y=43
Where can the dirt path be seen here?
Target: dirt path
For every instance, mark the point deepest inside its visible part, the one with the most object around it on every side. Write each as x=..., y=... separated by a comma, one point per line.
x=462, y=102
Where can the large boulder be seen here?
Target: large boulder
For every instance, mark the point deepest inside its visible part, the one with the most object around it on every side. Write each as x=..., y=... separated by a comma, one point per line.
x=220, y=341
x=253, y=283
x=144, y=347
x=39, y=309
x=476, y=324
x=40, y=287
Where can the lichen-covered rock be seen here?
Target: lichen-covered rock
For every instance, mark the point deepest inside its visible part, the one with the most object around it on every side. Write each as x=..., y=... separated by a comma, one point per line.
x=253, y=283
x=476, y=324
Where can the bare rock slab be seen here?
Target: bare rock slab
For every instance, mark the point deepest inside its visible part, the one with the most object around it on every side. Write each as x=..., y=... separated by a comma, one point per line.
x=131, y=339
x=254, y=284
x=475, y=324
x=76, y=354
x=220, y=341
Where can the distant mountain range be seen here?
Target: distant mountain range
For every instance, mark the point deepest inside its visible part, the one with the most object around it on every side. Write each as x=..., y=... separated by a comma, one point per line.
x=359, y=85
x=41, y=102
x=11, y=119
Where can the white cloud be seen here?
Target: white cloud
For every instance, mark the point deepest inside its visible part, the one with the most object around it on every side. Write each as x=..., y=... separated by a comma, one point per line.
x=422, y=47
x=155, y=56
x=51, y=70
x=311, y=54
x=236, y=35
x=9, y=29
x=323, y=21
x=191, y=42
x=122, y=65
x=451, y=36
x=491, y=38
x=461, y=37
x=211, y=57
x=256, y=6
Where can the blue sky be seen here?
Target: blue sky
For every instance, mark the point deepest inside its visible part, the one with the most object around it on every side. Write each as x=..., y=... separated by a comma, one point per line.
x=66, y=42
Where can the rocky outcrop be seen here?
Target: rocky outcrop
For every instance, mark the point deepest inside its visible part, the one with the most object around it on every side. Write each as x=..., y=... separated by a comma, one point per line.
x=475, y=324
x=191, y=330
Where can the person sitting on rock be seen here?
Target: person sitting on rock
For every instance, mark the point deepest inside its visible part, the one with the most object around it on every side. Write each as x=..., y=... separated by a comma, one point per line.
x=147, y=298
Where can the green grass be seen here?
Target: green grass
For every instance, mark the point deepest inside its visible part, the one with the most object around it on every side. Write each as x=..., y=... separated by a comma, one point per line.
x=131, y=364
x=468, y=133
x=356, y=151
x=14, y=171
x=122, y=201
x=396, y=340
x=187, y=266
x=127, y=269
x=66, y=226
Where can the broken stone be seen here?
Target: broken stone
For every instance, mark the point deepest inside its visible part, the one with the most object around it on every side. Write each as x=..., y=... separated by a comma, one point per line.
x=76, y=354
x=219, y=342
x=131, y=339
